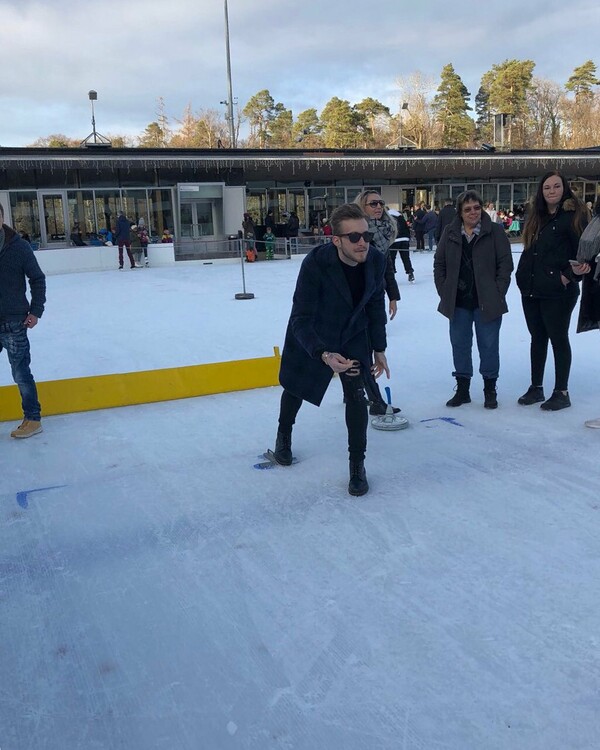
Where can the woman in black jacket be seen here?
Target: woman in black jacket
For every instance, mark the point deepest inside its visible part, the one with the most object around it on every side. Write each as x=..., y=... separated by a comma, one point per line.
x=548, y=285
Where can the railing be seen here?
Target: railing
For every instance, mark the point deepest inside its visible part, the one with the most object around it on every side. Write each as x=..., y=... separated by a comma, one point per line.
x=233, y=247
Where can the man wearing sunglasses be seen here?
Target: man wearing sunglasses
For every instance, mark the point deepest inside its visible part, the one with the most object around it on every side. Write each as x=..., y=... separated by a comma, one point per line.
x=338, y=318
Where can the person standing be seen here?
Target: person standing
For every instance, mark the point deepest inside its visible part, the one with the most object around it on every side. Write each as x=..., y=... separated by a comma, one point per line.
x=270, y=220
x=471, y=269
x=588, y=255
x=418, y=216
x=144, y=239
x=123, y=239
x=18, y=315
x=429, y=224
x=549, y=286
x=338, y=318
x=269, y=240
x=383, y=228
x=445, y=218
x=490, y=210
x=401, y=244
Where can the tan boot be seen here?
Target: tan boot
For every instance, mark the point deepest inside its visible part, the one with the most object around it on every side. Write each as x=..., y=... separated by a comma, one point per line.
x=27, y=428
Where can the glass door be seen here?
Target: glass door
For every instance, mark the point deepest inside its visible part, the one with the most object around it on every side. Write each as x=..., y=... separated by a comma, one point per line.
x=197, y=220
x=54, y=219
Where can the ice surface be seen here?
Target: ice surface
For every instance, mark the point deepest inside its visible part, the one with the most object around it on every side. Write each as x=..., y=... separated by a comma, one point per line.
x=161, y=593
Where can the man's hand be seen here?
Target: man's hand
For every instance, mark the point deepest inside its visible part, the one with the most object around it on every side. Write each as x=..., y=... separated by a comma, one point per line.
x=380, y=365
x=337, y=362
x=30, y=321
x=393, y=308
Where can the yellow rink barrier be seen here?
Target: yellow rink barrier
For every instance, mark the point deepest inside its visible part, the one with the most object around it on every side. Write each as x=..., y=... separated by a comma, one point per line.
x=145, y=387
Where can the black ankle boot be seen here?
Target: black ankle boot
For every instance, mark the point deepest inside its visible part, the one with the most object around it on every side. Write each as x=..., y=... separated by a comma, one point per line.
x=535, y=394
x=358, y=484
x=283, y=448
x=489, y=393
x=462, y=395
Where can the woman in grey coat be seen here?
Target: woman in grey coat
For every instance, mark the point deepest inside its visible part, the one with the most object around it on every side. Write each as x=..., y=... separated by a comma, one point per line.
x=472, y=269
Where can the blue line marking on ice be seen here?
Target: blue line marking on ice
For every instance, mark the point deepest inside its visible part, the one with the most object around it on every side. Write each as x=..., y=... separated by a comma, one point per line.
x=450, y=420
x=22, y=496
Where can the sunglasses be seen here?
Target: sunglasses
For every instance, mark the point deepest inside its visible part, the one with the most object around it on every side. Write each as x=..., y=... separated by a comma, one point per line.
x=355, y=237
x=374, y=204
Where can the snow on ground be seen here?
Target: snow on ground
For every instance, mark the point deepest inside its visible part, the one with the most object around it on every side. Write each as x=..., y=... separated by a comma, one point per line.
x=157, y=592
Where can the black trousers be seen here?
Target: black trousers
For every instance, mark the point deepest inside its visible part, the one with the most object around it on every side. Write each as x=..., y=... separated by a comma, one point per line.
x=420, y=237
x=357, y=418
x=404, y=257
x=548, y=320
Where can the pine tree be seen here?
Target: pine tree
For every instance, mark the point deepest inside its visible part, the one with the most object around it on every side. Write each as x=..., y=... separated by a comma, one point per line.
x=260, y=111
x=450, y=106
x=508, y=84
x=342, y=125
x=582, y=79
x=371, y=111
x=306, y=129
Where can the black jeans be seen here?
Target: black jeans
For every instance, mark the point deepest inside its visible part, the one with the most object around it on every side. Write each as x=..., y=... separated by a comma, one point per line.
x=404, y=257
x=357, y=418
x=548, y=320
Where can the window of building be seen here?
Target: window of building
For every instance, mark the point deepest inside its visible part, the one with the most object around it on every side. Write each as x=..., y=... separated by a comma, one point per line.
x=25, y=212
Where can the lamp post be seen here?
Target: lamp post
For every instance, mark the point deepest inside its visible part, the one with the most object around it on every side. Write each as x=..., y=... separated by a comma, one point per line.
x=402, y=109
x=229, y=84
x=94, y=138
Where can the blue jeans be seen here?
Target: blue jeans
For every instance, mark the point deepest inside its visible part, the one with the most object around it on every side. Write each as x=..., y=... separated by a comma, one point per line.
x=431, y=239
x=13, y=338
x=488, y=343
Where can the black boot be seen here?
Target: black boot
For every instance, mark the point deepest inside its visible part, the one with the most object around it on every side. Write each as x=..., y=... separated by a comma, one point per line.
x=462, y=395
x=379, y=408
x=358, y=484
x=558, y=400
x=535, y=394
x=489, y=393
x=283, y=448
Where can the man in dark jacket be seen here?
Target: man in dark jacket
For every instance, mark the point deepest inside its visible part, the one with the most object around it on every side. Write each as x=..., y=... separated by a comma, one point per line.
x=123, y=239
x=446, y=216
x=338, y=318
x=17, y=314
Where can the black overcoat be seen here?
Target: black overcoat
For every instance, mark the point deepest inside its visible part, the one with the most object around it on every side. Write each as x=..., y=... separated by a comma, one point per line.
x=323, y=318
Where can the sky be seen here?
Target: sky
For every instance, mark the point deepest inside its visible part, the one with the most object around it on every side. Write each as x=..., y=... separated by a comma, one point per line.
x=53, y=52
x=159, y=593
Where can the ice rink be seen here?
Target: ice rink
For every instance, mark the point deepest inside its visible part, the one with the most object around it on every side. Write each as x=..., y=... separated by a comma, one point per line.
x=159, y=593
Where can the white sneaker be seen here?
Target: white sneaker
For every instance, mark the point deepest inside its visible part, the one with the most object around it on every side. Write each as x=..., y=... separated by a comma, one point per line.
x=594, y=423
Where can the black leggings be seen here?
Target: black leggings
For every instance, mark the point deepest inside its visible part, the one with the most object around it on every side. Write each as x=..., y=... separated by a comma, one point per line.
x=357, y=418
x=548, y=320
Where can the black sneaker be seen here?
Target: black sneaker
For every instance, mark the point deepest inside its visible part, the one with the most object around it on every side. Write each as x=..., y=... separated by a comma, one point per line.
x=358, y=484
x=411, y=278
x=558, y=400
x=379, y=408
x=535, y=394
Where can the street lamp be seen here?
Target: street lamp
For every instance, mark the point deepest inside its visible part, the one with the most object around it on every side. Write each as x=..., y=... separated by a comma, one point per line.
x=230, y=85
x=402, y=109
x=95, y=138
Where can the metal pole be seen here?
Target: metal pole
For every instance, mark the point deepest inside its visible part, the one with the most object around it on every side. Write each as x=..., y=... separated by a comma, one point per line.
x=230, y=96
x=244, y=294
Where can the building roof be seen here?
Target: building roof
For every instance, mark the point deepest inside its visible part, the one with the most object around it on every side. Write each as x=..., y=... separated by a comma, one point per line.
x=318, y=164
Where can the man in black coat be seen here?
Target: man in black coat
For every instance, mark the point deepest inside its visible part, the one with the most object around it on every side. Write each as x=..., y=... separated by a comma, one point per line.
x=17, y=315
x=338, y=318
x=446, y=217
